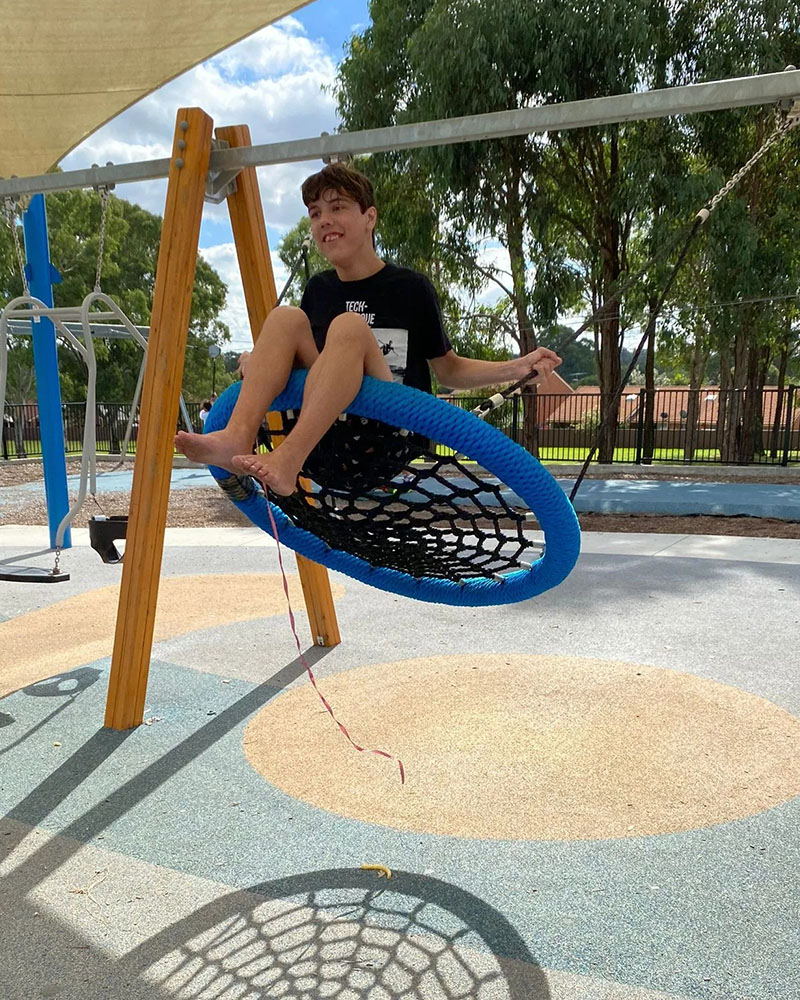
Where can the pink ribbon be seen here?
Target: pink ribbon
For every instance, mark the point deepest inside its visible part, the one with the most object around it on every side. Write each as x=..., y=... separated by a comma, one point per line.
x=379, y=753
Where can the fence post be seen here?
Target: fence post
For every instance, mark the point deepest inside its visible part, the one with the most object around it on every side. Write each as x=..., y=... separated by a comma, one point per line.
x=640, y=428
x=787, y=430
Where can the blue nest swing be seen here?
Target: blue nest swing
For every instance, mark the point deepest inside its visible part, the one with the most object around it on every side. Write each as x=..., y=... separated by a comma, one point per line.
x=384, y=507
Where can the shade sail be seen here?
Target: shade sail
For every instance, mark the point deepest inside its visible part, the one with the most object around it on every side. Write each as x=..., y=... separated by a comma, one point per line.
x=69, y=66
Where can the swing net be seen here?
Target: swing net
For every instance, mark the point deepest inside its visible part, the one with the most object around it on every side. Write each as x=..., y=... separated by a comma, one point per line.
x=378, y=501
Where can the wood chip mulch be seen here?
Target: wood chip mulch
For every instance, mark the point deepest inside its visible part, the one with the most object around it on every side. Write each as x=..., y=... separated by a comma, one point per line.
x=207, y=506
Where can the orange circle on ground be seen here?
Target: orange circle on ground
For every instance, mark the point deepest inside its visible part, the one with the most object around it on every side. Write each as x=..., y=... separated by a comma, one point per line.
x=530, y=747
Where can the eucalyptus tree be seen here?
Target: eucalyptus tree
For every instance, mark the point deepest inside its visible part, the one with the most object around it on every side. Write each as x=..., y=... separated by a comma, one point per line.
x=752, y=262
x=564, y=205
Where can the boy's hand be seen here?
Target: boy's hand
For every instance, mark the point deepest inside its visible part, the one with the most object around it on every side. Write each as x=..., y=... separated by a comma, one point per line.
x=543, y=361
x=244, y=357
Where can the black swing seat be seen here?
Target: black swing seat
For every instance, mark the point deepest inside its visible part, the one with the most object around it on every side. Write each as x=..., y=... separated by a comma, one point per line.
x=104, y=531
x=31, y=574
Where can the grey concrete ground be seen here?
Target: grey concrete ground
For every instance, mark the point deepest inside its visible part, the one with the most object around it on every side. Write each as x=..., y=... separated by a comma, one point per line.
x=159, y=863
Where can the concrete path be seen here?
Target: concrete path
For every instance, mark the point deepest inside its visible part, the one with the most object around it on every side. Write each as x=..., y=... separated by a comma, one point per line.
x=601, y=802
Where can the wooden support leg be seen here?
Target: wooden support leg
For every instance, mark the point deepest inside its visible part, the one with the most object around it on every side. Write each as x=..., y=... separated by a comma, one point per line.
x=169, y=325
x=255, y=264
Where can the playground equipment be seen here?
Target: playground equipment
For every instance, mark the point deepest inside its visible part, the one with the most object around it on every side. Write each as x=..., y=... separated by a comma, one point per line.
x=187, y=168
x=78, y=326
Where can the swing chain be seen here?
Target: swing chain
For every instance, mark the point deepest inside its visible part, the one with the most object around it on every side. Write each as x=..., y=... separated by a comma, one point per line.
x=56, y=565
x=104, y=190
x=787, y=120
x=14, y=207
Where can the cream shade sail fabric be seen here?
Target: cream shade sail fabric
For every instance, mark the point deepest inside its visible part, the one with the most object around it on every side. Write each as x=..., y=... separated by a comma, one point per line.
x=69, y=66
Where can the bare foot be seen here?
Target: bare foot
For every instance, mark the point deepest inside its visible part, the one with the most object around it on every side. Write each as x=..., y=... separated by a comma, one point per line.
x=215, y=448
x=274, y=469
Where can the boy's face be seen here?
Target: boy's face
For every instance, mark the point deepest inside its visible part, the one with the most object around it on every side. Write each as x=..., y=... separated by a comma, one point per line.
x=339, y=227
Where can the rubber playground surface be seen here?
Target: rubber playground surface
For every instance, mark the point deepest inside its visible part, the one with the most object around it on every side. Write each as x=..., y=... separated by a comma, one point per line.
x=601, y=794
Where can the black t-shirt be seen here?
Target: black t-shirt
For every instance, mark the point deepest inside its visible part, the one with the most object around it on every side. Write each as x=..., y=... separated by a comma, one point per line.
x=399, y=304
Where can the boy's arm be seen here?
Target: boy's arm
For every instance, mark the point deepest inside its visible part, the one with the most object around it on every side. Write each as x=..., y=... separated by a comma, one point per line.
x=457, y=372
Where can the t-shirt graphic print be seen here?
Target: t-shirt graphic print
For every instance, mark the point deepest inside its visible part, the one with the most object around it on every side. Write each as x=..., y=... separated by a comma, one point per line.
x=393, y=341
x=394, y=347
x=401, y=307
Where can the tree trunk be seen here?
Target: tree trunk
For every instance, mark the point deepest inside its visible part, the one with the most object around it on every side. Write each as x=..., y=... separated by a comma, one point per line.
x=697, y=369
x=19, y=433
x=783, y=364
x=746, y=438
x=732, y=418
x=725, y=386
x=750, y=365
x=527, y=337
x=609, y=367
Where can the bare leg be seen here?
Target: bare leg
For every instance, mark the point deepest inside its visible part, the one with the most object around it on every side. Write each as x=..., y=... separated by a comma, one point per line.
x=285, y=342
x=350, y=352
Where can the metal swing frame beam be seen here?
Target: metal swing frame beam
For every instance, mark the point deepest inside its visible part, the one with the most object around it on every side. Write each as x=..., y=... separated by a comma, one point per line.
x=224, y=164
x=191, y=170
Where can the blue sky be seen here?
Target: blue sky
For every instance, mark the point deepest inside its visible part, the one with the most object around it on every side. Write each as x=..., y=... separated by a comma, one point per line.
x=278, y=81
x=334, y=22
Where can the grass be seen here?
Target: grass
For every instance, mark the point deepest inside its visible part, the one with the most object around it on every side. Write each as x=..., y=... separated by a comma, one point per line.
x=627, y=456
x=552, y=456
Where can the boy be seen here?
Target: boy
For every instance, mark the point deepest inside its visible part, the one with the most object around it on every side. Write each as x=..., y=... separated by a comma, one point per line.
x=364, y=317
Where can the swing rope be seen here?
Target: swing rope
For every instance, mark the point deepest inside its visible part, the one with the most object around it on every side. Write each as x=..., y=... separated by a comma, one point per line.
x=309, y=671
x=787, y=119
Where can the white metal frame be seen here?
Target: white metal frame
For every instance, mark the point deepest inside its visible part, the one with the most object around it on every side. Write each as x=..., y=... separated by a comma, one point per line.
x=67, y=320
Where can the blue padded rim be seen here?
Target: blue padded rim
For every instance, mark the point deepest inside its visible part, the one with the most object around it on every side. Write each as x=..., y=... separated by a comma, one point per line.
x=413, y=410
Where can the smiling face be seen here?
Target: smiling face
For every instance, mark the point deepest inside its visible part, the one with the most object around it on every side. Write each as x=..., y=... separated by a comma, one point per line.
x=341, y=231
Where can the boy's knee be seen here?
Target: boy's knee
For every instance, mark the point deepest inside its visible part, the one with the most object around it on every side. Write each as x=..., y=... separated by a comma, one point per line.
x=350, y=326
x=290, y=318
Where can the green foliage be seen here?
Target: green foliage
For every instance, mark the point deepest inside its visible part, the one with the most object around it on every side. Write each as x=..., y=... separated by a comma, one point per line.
x=290, y=251
x=131, y=245
x=582, y=210
x=580, y=364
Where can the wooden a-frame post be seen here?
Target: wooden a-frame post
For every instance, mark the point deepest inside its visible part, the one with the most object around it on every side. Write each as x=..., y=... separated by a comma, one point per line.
x=255, y=265
x=169, y=324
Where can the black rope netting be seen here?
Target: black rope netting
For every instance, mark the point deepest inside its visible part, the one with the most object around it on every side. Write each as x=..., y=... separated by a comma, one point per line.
x=389, y=498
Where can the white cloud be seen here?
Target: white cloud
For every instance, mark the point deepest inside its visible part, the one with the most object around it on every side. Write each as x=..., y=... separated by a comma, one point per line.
x=494, y=257
x=272, y=81
x=222, y=258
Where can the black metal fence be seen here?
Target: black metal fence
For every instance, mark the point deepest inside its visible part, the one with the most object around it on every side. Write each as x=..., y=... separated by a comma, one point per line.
x=21, y=436
x=690, y=426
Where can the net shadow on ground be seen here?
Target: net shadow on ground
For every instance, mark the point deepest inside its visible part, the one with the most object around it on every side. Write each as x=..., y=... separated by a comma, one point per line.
x=341, y=934
x=334, y=933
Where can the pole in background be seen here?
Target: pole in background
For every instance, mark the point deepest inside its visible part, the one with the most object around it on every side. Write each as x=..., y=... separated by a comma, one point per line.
x=213, y=353
x=41, y=275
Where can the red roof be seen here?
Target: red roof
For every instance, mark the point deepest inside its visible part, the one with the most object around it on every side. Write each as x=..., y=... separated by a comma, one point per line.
x=671, y=405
